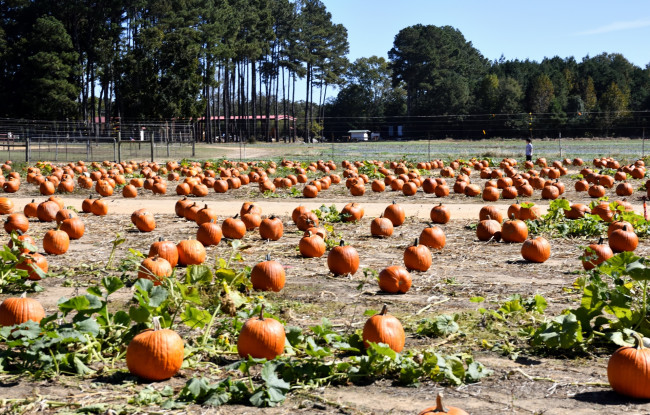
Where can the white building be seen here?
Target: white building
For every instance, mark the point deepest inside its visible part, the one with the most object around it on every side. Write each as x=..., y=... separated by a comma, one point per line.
x=359, y=135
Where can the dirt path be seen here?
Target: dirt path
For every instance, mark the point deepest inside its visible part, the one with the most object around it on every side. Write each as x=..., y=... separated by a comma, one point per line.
x=281, y=207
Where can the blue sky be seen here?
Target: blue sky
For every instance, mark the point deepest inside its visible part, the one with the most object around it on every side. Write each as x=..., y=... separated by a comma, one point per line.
x=521, y=29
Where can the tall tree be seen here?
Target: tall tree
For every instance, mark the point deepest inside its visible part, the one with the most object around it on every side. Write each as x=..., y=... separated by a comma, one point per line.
x=438, y=66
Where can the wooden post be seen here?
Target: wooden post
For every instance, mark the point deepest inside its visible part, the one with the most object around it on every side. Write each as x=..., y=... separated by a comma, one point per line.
x=152, y=149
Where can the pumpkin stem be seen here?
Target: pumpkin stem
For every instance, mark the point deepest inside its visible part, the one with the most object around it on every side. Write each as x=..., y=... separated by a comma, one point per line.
x=262, y=312
x=342, y=243
x=384, y=310
x=638, y=343
x=439, y=406
x=235, y=217
x=417, y=242
x=268, y=257
x=24, y=295
x=600, y=240
x=156, y=323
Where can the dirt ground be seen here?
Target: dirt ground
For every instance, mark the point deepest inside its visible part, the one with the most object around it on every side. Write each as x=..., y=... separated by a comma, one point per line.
x=465, y=268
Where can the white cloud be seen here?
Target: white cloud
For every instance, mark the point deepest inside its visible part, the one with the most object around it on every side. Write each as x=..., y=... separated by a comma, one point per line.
x=616, y=27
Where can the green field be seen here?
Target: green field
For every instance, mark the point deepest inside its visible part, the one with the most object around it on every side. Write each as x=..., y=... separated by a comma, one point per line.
x=624, y=149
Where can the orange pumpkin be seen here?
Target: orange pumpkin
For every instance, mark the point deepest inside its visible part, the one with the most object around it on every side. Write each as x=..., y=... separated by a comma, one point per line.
x=268, y=275
x=536, y=250
x=441, y=409
x=343, y=260
x=155, y=354
x=261, y=337
x=20, y=310
x=395, y=279
x=628, y=370
x=384, y=328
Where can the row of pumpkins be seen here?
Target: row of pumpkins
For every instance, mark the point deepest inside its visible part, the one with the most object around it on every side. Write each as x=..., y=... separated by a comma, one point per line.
x=199, y=180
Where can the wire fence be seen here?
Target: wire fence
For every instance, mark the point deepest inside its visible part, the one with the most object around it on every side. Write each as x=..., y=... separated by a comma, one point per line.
x=29, y=141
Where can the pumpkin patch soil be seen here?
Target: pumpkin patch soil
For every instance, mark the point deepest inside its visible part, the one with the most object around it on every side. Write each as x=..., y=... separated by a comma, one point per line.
x=465, y=268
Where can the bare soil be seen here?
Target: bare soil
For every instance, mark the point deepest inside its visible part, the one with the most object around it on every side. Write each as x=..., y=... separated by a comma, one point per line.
x=465, y=268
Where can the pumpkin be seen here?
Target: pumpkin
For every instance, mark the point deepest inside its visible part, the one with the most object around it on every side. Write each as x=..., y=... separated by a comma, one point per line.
x=514, y=230
x=19, y=310
x=99, y=207
x=31, y=262
x=417, y=257
x=155, y=269
x=616, y=225
x=440, y=214
x=395, y=213
x=623, y=240
x=596, y=254
x=155, y=354
x=166, y=250
x=529, y=211
x=73, y=226
x=577, y=211
x=251, y=221
x=491, y=194
x=261, y=337
x=6, y=205
x=381, y=227
x=22, y=239
x=384, y=328
x=624, y=189
x=306, y=220
x=596, y=191
x=352, y=212
x=16, y=222
x=180, y=206
x=46, y=211
x=628, y=370
x=87, y=204
x=190, y=252
x=143, y=220
x=129, y=191
x=206, y=215
x=295, y=214
x=233, y=228
x=343, y=260
x=488, y=229
x=433, y=237
x=536, y=250
x=30, y=209
x=271, y=228
x=311, y=246
x=268, y=275
x=441, y=409
x=56, y=242
x=490, y=212
x=394, y=279
x=514, y=210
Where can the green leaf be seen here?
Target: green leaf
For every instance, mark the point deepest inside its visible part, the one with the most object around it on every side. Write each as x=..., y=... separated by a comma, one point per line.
x=638, y=271
x=198, y=274
x=112, y=284
x=79, y=303
x=195, y=318
x=89, y=326
x=139, y=314
x=477, y=299
x=81, y=368
x=158, y=296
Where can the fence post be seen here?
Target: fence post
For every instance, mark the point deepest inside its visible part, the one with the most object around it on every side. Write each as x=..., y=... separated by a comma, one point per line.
x=152, y=150
x=115, y=150
x=27, y=149
x=87, y=148
x=193, y=146
x=119, y=146
x=56, y=149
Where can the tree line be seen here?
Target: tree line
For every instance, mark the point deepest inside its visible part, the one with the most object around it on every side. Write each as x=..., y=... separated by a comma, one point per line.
x=436, y=84
x=234, y=66
x=223, y=62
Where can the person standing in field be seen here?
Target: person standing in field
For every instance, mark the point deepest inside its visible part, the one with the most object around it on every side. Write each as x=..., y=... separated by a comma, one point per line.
x=529, y=149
